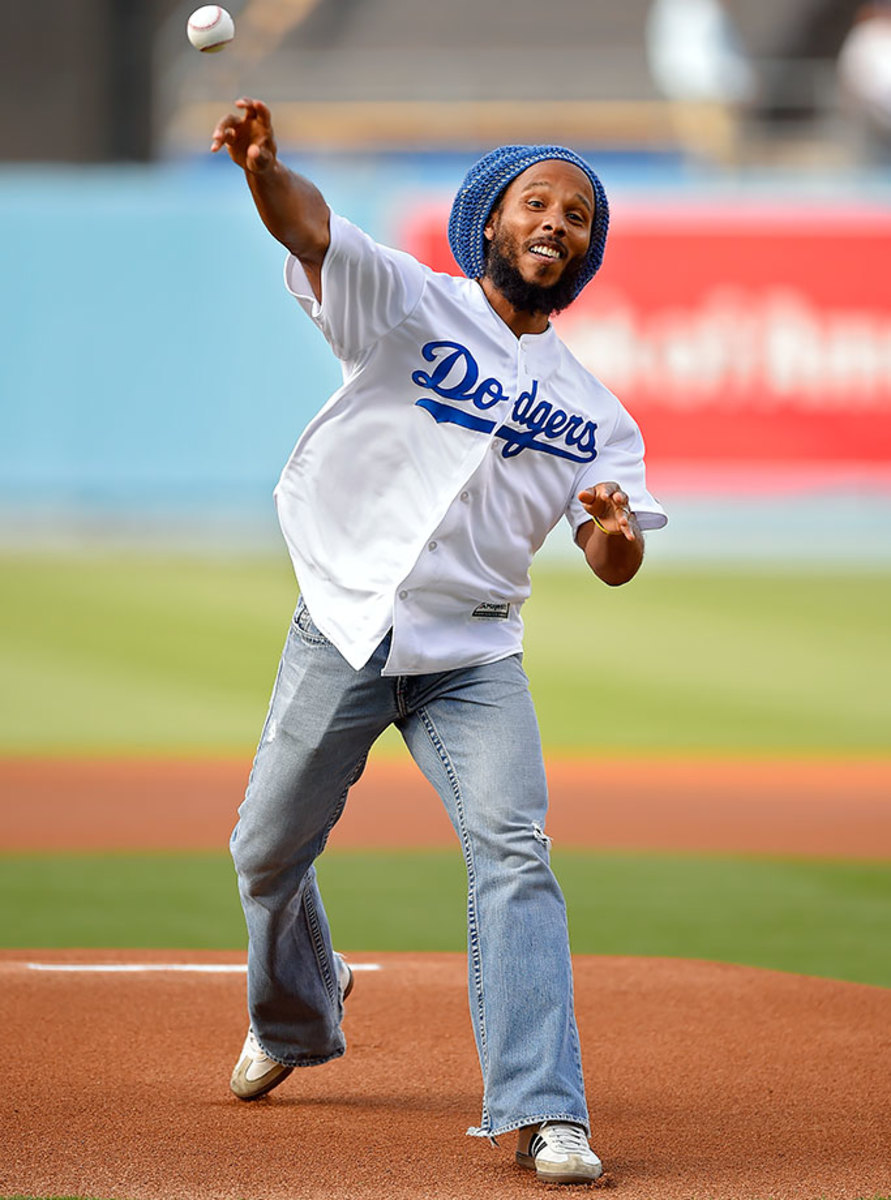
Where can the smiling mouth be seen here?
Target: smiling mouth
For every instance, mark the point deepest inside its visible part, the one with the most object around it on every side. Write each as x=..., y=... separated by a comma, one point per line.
x=545, y=251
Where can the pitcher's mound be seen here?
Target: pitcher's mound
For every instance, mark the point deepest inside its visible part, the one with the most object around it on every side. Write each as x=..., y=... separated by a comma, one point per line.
x=706, y=1081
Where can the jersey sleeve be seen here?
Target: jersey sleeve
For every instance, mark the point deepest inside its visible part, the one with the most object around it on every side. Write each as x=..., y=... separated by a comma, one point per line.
x=367, y=289
x=621, y=459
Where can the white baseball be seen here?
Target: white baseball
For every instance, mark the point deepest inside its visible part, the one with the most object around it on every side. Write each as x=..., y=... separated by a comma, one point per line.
x=210, y=28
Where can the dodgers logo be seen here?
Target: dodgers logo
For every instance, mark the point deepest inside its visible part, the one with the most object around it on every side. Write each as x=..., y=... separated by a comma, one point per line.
x=536, y=424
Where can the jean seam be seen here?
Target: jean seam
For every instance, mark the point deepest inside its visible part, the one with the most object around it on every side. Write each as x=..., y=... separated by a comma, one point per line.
x=532, y=1119
x=472, y=921
x=310, y=641
x=332, y=984
x=337, y=811
x=318, y=942
x=307, y=1062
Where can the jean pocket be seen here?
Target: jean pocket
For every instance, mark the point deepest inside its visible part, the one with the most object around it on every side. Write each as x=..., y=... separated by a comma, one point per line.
x=306, y=627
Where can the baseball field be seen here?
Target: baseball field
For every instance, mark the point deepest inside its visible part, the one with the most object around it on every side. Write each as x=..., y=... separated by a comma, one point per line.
x=721, y=815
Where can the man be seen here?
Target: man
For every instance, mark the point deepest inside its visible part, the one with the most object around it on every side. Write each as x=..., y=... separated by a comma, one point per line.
x=412, y=506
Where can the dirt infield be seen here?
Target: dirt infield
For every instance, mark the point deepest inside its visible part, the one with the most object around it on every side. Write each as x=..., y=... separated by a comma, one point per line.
x=704, y=1081
x=837, y=808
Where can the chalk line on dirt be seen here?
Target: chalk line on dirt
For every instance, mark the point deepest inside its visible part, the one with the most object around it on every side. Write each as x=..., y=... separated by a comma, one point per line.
x=703, y=1079
x=135, y=968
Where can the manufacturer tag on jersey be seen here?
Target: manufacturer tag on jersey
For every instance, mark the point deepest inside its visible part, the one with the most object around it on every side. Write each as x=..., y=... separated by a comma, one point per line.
x=491, y=612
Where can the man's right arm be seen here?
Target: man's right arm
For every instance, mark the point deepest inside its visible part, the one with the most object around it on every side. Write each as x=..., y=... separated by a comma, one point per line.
x=292, y=209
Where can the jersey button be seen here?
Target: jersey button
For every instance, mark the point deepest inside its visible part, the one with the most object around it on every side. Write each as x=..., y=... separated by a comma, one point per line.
x=431, y=545
x=403, y=595
x=465, y=496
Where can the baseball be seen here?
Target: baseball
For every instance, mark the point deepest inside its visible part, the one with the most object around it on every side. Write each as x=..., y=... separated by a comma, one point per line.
x=210, y=28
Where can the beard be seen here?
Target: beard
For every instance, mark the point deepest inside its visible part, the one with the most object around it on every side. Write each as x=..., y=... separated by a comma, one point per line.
x=501, y=268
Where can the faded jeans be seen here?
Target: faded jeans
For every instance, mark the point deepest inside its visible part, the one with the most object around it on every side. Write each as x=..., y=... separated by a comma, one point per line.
x=474, y=734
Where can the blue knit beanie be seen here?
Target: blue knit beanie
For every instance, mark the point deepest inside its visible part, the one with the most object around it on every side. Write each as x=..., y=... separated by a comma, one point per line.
x=485, y=182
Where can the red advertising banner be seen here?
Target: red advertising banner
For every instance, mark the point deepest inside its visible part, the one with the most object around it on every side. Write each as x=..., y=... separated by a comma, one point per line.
x=749, y=342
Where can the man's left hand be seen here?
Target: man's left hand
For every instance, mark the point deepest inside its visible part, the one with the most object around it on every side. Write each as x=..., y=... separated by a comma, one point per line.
x=607, y=505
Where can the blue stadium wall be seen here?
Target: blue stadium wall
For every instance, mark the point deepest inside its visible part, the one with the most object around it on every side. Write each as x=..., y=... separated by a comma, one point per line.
x=155, y=373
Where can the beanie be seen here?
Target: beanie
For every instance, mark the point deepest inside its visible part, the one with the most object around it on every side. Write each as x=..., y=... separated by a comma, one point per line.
x=484, y=183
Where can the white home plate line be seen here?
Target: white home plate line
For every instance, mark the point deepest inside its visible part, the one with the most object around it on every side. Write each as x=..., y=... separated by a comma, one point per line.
x=136, y=968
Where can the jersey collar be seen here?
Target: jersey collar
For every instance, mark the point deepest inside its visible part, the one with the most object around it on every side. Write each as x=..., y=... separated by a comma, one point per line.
x=539, y=352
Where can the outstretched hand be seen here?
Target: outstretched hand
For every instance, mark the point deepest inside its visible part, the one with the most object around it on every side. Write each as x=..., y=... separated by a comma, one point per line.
x=247, y=136
x=607, y=505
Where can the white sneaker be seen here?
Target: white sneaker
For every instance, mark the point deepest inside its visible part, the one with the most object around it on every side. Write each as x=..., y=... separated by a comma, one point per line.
x=344, y=976
x=558, y=1153
x=256, y=1073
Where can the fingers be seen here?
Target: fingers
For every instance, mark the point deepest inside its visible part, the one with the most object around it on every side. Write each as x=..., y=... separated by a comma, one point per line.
x=604, y=496
x=604, y=490
x=621, y=518
x=230, y=126
x=224, y=132
x=255, y=109
x=610, y=508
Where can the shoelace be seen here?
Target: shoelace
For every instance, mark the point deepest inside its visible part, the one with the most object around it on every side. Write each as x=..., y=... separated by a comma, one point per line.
x=570, y=1139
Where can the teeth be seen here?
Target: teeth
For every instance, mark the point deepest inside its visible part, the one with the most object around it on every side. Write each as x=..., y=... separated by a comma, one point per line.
x=547, y=251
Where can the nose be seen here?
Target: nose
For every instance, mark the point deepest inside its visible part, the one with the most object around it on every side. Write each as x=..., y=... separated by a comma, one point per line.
x=554, y=223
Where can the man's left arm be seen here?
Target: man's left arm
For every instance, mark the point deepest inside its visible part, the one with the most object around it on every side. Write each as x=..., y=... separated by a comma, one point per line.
x=612, y=541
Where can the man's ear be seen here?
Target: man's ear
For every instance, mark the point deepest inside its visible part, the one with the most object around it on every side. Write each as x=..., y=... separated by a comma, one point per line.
x=491, y=226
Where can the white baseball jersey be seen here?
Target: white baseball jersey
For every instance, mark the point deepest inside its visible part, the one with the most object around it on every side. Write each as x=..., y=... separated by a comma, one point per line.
x=418, y=495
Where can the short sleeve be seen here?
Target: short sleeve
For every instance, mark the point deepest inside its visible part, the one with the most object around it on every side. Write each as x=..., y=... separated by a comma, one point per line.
x=367, y=289
x=621, y=459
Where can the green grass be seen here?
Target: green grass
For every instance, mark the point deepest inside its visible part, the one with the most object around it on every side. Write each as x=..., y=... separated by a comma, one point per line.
x=136, y=654
x=177, y=655
x=753, y=661
x=814, y=917
x=171, y=655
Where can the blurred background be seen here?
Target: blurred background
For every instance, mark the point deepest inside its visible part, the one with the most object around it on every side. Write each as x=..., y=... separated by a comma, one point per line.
x=155, y=375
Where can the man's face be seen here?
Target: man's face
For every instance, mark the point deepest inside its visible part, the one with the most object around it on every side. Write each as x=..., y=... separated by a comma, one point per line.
x=539, y=235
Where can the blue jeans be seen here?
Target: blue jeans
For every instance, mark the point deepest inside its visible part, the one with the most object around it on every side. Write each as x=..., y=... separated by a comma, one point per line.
x=474, y=734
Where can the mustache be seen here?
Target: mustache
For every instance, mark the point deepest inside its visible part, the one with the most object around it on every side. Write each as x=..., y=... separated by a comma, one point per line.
x=533, y=298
